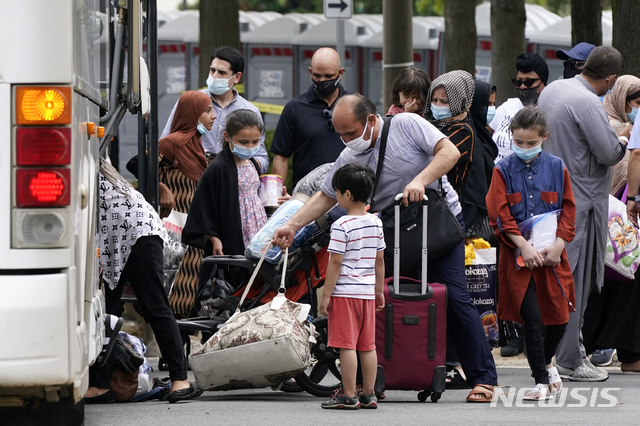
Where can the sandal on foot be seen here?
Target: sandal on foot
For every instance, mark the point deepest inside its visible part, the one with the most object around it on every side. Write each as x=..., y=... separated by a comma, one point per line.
x=481, y=393
x=538, y=393
x=555, y=382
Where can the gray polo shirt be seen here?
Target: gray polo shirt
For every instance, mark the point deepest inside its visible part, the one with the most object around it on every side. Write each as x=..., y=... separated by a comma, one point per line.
x=410, y=146
x=212, y=141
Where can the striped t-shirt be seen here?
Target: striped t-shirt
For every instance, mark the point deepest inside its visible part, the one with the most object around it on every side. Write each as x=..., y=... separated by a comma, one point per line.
x=358, y=238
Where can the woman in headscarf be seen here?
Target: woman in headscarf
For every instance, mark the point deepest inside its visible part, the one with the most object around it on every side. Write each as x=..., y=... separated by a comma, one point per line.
x=181, y=164
x=449, y=100
x=621, y=105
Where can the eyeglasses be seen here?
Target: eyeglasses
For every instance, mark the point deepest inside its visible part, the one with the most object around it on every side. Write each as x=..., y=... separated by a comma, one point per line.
x=528, y=82
x=576, y=65
x=328, y=113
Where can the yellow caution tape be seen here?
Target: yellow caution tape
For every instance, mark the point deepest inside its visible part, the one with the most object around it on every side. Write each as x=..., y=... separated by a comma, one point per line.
x=266, y=108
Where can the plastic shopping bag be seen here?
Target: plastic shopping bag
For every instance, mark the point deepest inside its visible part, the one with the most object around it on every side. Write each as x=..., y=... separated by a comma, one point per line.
x=540, y=231
x=263, y=237
x=622, y=252
x=173, y=249
x=481, y=275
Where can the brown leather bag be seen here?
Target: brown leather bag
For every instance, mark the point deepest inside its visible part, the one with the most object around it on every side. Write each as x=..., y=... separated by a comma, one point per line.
x=124, y=384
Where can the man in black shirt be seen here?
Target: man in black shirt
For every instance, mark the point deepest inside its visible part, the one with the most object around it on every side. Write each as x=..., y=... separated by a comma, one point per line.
x=305, y=129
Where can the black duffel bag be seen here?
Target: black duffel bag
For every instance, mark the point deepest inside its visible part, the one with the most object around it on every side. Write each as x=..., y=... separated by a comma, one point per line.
x=444, y=232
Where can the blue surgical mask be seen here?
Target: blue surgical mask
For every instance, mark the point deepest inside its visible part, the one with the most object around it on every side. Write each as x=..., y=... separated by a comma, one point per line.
x=218, y=86
x=491, y=112
x=203, y=130
x=632, y=115
x=526, y=154
x=243, y=152
x=440, y=112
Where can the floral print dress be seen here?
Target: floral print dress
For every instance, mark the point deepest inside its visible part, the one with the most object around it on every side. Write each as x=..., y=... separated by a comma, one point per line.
x=252, y=213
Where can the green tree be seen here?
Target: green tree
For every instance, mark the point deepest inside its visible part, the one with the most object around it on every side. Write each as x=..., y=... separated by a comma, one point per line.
x=218, y=27
x=507, y=32
x=459, y=36
x=586, y=21
x=626, y=34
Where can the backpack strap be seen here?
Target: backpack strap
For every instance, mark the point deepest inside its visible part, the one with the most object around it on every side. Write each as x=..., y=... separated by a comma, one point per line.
x=383, y=149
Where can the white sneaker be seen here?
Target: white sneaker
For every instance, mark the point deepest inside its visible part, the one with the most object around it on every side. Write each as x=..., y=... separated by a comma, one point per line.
x=590, y=365
x=583, y=373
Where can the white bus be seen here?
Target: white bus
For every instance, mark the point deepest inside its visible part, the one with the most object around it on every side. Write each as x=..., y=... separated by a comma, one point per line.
x=54, y=79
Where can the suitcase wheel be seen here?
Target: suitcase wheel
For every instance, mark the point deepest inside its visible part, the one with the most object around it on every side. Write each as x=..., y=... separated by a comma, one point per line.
x=423, y=395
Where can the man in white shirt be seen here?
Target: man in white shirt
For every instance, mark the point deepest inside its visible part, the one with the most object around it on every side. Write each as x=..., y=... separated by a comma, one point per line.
x=531, y=79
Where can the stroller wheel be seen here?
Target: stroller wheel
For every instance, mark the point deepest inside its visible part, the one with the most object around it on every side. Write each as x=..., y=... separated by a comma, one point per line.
x=323, y=378
x=291, y=386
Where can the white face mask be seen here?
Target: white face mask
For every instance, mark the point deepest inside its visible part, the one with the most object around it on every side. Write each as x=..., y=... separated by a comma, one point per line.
x=218, y=86
x=359, y=144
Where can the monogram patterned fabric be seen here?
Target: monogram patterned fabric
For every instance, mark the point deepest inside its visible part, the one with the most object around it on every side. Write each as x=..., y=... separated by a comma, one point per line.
x=263, y=323
x=123, y=219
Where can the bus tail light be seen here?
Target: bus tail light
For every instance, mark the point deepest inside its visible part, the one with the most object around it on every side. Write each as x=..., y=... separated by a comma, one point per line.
x=43, y=187
x=43, y=105
x=39, y=228
x=43, y=146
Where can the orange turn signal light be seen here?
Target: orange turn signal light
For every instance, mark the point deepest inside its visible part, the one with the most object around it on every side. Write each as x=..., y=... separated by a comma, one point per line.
x=100, y=131
x=38, y=105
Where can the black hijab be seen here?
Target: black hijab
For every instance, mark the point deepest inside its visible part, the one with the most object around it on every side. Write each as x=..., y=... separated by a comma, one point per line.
x=478, y=113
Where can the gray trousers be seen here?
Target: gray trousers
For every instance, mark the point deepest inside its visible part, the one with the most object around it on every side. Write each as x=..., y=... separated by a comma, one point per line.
x=571, y=351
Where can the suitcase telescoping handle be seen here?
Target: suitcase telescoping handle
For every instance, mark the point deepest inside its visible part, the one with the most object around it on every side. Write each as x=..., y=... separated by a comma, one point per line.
x=396, y=243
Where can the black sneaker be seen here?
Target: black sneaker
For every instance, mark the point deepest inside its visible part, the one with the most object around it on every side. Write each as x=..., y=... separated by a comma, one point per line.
x=368, y=401
x=513, y=348
x=342, y=402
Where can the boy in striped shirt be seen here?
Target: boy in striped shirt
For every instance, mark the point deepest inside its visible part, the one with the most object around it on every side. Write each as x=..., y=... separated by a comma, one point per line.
x=353, y=285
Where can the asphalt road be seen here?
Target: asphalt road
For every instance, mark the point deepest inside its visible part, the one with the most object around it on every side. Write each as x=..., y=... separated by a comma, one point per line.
x=584, y=404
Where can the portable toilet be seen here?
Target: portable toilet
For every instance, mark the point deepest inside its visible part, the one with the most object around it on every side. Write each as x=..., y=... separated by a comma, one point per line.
x=425, y=46
x=558, y=36
x=178, y=51
x=248, y=21
x=356, y=29
x=538, y=18
x=270, y=60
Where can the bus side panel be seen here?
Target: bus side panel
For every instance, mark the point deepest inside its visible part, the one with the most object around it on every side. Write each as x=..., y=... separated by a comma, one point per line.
x=36, y=38
x=35, y=346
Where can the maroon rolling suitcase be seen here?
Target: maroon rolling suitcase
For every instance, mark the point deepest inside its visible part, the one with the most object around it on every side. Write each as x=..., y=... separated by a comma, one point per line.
x=411, y=329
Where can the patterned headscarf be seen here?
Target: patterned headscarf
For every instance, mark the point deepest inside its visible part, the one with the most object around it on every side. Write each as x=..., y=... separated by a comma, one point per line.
x=459, y=87
x=616, y=101
x=182, y=145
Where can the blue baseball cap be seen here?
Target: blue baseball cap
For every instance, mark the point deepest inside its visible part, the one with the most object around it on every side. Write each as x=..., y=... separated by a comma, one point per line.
x=579, y=52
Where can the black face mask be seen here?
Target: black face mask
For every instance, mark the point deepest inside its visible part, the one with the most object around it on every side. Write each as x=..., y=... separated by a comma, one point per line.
x=528, y=97
x=326, y=88
x=569, y=71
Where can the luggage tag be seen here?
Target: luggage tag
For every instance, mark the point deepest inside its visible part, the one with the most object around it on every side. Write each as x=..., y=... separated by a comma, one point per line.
x=279, y=300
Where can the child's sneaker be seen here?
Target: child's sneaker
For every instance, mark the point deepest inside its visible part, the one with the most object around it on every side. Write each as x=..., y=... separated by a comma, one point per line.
x=343, y=402
x=368, y=401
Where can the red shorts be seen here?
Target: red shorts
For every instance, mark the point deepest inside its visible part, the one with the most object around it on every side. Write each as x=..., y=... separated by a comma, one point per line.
x=352, y=323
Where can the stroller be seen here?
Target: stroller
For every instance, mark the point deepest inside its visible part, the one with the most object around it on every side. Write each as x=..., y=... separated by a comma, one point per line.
x=218, y=299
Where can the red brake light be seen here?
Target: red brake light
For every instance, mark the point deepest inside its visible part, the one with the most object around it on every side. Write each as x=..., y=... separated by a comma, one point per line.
x=43, y=146
x=43, y=187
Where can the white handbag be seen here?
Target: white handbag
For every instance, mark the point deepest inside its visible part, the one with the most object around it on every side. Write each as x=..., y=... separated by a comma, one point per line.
x=262, y=347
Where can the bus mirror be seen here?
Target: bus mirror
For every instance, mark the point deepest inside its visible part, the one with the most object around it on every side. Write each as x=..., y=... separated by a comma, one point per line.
x=145, y=87
x=134, y=52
